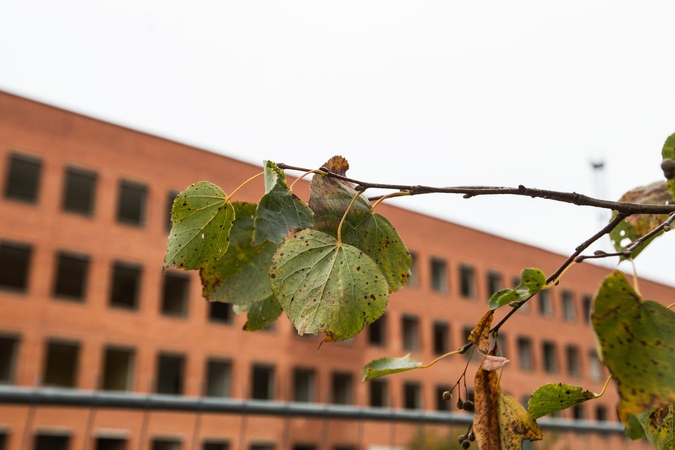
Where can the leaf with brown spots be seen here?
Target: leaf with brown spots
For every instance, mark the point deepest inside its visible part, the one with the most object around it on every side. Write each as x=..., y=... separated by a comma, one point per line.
x=636, y=340
x=327, y=287
x=201, y=218
x=515, y=424
x=387, y=366
x=480, y=335
x=554, y=397
x=659, y=426
x=486, y=400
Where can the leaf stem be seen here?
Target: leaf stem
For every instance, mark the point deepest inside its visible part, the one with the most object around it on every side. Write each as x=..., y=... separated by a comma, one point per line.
x=384, y=197
x=304, y=175
x=604, y=388
x=670, y=306
x=454, y=352
x=229, y=197
x=344, y=216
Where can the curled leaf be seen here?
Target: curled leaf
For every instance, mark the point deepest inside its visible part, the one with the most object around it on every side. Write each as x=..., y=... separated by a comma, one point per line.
x=387, y=366
x=531, y=281
x=486, y=419
x=480, y=335
x=492, y=362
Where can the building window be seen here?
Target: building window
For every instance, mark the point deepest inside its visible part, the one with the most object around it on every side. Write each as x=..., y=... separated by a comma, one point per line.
x=412, y=395
x=578, y=412
x=71, y=276
x=111, y=443
x=60, y=367
x=263, y=383
x=118, y=369
x=601, y=413
x=525, y=359
x=9, y=351
x=304, y=447
x=175, y=290
x=45, y=441
x=166, y=444
x=23, y=178
x=573, y=361
x=131, y=203
x=170, y=374
x=126, y=284
x=439, y=275
x=79, y=191
x=263, y=446
x=586, y=303
x=304, y=385
x=342, y=389
x=494, y=283
x=414, y=279
x=550, y=357
x=14, y=265
x=568, y=308
x=467, y=282
x=378, y=393
x=216, y=445
x=377, y=332
x=411, y=333
x=594, y=366
x=171, y=196
x=441, y=403
x=218, y=378
x=545, y=303
x=441, y=338
x=221, y=312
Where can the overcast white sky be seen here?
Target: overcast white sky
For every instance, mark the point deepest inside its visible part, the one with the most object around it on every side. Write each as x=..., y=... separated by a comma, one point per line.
x=439, y=93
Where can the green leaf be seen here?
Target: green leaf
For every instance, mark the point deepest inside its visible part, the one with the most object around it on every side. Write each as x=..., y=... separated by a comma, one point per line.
x=636, y=340
x=201, y=219
x=554, y=397
x=531, y=281
x=327, y=287
x=659, y=427
x=638, y=225
x=515, y=424
x=634, y=428
x=241, y=275
x=279, y=211
x=387, y=366
x=372, y=233
x=260, y=315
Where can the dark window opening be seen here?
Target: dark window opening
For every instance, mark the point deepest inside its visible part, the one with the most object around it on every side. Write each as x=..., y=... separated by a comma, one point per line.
x=411, y=333
x=71, y=276
x=439, y=276
x=79, y=191
x=377, y=332
x=14, y=265
x=221, y=312
x=467, y=282
x=304, y=447
x=175, y=292
x=550, y=357
x=131, y=203
x=578, y=412
x=525, y=357
x=170, y=374
x=216, y=445
x=594, y=366
x=545, y=304
x=263, y=383
x=601, y=413
x=9, y=350
x=218, y=378
x=573, y=361
x=262, y=447
x=125, y=286
x=568, y=308
x=441, y=403
x=586, y=303
x=441, y=338
x=60, y=367
x=378, y=393
x=304, y=385
x=342, y=389
x=118, y=369
x=52, y=442
x=23, y=178
x=171, y=196
x=494, y=283
x=166, y=444
x=105, y=443
x=412, y=396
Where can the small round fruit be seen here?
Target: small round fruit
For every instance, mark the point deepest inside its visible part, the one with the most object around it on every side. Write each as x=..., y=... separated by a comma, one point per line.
x=467, y=405
x=461, y=439
x=471, y=436
x=447, y=396
x=668, y=167
x=460, y=403
x=466, y=444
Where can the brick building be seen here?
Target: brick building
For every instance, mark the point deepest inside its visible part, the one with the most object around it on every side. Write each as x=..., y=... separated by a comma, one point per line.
x=85, y=306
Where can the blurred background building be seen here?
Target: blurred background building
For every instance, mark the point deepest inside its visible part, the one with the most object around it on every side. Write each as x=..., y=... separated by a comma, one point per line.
x=100, y=348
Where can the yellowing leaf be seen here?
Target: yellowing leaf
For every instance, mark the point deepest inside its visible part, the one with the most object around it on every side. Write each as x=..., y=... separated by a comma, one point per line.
x=659, y=427
x=480, y=336
x=327, y=287
x=636, y=341
x=515, y=424
x=386, y=366
x=554, y=397
x=486, y=400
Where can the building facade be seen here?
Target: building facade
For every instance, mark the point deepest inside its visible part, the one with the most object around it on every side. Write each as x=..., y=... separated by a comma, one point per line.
x=85, y=306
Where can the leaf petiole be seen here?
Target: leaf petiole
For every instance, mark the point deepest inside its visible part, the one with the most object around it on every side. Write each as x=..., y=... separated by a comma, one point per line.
x=344, y=216
x=393, y=194
x=604, y=388
x=229, y=197
x=304, y=175
x=425, y=366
